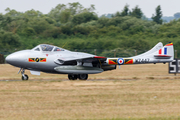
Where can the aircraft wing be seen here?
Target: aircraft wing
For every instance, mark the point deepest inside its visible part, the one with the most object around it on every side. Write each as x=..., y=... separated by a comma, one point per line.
x=84, y=57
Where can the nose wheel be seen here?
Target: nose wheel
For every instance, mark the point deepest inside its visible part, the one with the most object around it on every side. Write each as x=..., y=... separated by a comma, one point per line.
x=24, y=76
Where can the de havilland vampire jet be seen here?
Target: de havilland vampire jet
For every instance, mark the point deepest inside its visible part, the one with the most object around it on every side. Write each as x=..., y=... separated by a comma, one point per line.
x=52, y=59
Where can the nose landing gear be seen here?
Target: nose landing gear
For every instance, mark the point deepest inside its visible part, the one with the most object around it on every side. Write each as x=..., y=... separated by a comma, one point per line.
x=24, y=76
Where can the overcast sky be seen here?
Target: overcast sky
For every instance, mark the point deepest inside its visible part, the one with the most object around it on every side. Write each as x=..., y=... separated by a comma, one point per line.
x=169, y=7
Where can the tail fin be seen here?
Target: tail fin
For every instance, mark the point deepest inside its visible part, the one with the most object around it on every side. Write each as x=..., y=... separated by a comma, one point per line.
x=154, y=49
x=167, y=52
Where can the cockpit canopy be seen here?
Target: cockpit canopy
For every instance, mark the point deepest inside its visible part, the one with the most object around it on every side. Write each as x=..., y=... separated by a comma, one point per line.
x=47, y=48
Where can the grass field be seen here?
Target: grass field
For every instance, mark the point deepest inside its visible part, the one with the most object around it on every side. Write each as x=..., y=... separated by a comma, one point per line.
x=126, y=72
x=132, y=92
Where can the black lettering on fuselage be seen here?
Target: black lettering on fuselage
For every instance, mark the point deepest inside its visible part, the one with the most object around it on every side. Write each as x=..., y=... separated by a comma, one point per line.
x=146, y=60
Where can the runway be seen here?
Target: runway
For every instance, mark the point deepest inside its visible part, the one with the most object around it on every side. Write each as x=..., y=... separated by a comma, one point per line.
x=134, y=91
x=127, y=72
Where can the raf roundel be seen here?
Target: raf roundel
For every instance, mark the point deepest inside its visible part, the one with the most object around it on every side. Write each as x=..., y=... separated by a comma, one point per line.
x=120, y=61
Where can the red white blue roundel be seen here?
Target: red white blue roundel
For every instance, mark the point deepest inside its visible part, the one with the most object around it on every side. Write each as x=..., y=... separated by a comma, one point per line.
x=120, y=61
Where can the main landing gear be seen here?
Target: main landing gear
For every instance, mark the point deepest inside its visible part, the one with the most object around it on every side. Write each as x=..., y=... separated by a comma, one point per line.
x=24, y=76
x=80, y=76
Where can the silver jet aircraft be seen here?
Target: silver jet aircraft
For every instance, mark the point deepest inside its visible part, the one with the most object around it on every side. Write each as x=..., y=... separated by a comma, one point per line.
x=52, y=59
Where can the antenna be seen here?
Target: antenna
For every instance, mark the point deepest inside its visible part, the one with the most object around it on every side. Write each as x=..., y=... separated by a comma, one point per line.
x=64, y=45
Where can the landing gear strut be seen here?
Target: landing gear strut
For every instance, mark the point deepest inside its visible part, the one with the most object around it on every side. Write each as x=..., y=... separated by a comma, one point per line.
x=80, y=76
x=24, y=76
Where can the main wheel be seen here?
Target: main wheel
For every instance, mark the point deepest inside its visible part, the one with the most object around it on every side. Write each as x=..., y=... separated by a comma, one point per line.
x=83, y=76
x=25, y=77
x=72, y=77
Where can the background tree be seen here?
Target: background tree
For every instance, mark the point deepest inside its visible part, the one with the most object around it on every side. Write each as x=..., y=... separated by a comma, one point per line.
x=64, y=13
x=55, y=13
x=83, y=29
x=157, y=17
x=117, y=14
x=136, y=12
x=8, y=39
x=84, y=17
x=177, y=15
x=33, y=13
x=75, y=8
x=125, y=11
x=65, y=16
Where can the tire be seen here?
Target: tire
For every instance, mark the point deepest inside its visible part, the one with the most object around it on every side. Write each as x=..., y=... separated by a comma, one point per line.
x=83, y=76
x=25, y=77
x=72, y=77
x=75, y=77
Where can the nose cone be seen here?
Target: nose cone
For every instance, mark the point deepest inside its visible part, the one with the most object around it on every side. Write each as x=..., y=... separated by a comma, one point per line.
x=17, y=58
x=9, y=59
x=12, y=58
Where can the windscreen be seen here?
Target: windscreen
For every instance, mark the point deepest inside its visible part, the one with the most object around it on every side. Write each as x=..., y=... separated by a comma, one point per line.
x=47, y=47
x=58, y=49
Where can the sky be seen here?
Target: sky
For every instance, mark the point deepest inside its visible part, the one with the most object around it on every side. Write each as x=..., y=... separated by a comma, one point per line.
x=169, y=7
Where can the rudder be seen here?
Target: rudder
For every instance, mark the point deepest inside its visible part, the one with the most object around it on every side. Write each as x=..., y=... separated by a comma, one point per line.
x=167, y=52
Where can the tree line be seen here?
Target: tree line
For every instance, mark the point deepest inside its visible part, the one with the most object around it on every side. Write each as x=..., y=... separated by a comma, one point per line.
x=76, y=27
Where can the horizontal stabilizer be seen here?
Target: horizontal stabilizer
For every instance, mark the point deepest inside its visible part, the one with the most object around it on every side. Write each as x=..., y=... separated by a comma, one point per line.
x=162, y=56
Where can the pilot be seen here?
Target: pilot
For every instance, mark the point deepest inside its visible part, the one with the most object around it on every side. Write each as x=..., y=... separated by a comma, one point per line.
x=48, y=48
